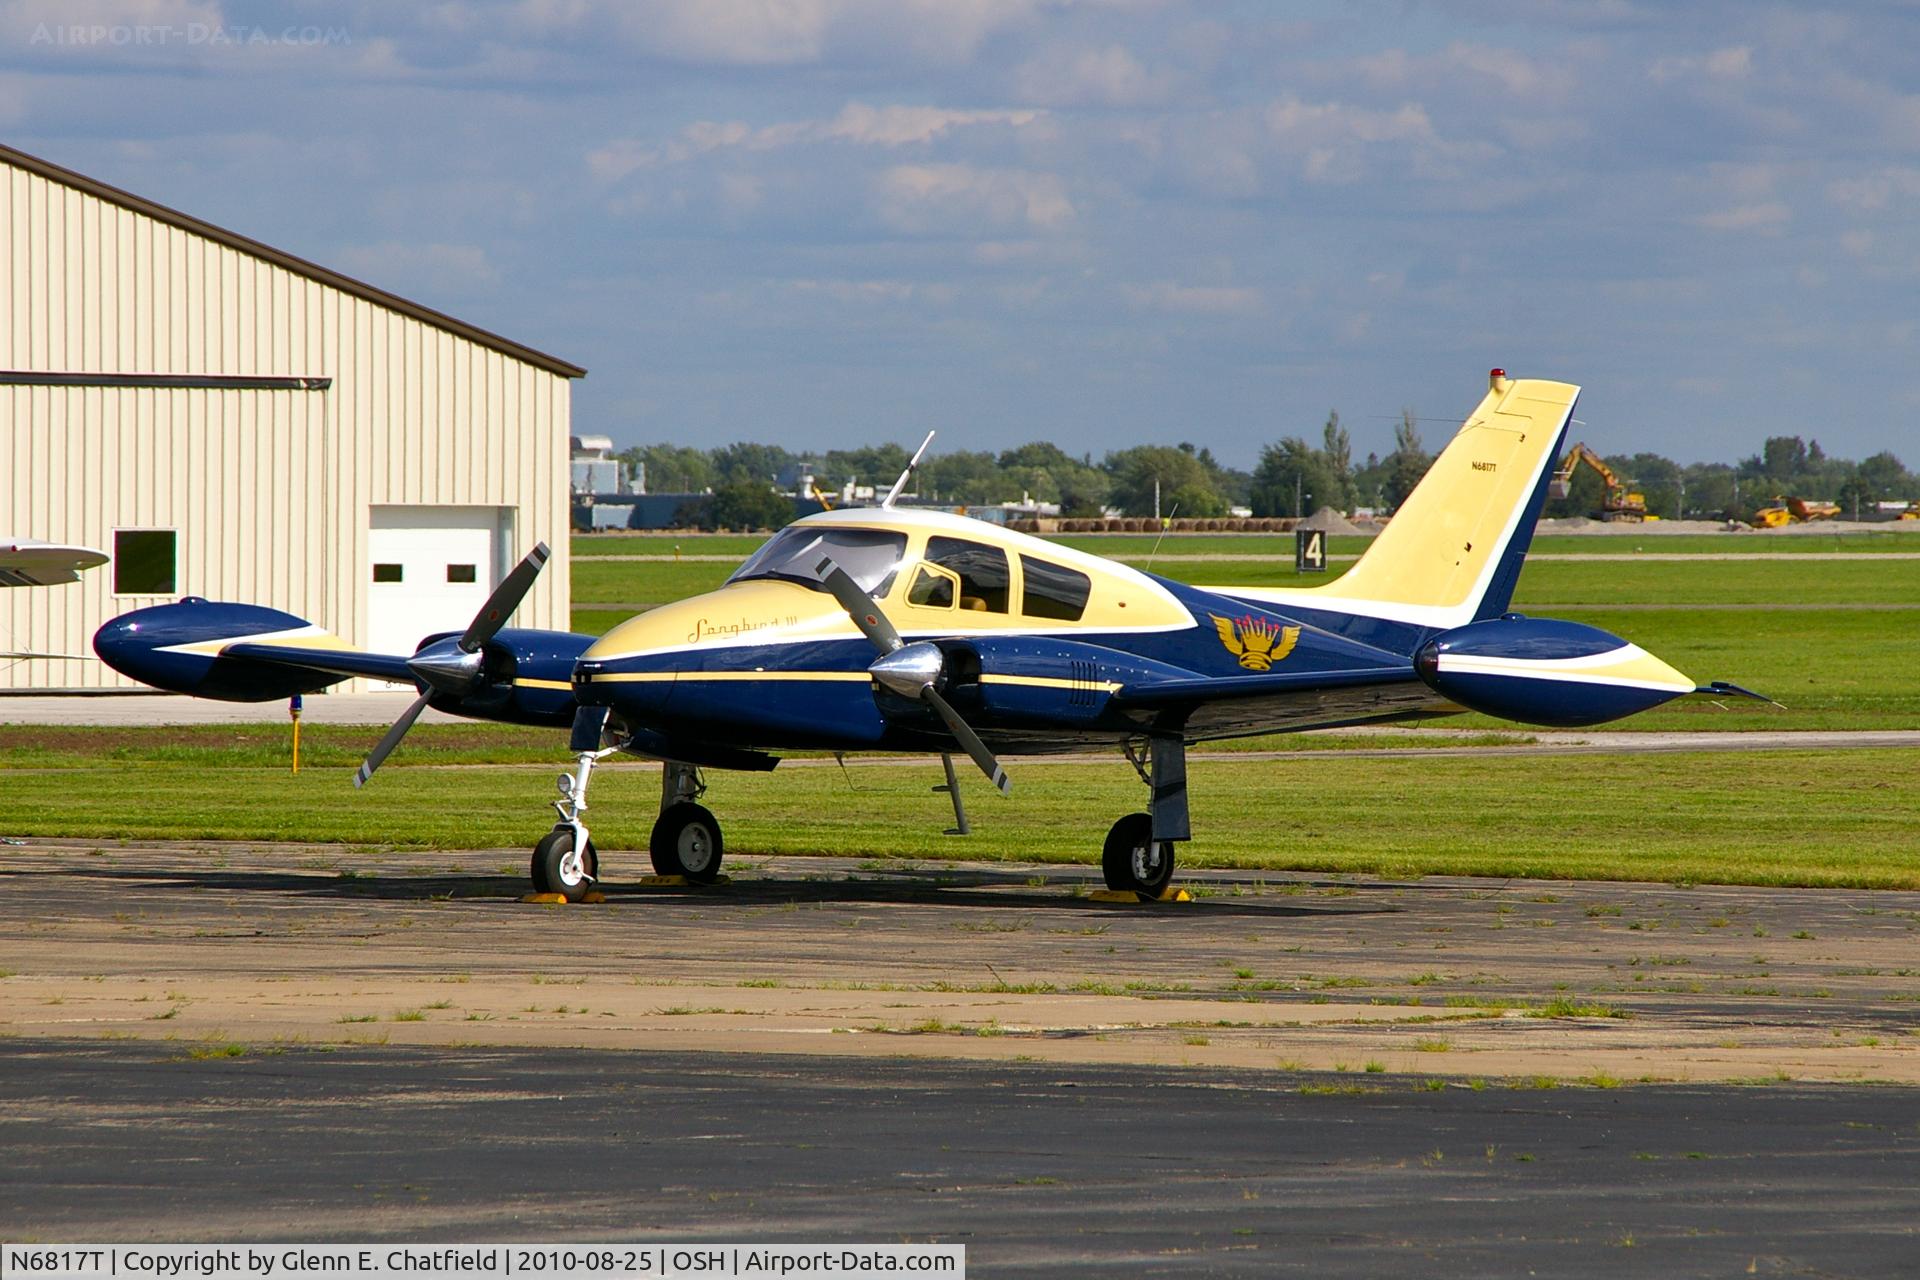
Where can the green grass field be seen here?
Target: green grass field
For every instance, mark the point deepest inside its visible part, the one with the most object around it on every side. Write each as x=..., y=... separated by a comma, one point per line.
x=1789, y=817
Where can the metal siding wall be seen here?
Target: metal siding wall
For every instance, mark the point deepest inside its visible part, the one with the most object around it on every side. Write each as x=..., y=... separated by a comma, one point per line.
x=269, y=490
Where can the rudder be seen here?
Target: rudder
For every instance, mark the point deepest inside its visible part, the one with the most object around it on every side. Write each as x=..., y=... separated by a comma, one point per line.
x=1453, y=551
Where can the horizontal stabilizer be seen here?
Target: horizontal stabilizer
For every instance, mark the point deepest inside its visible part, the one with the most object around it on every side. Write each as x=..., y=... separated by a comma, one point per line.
x=1722, y=689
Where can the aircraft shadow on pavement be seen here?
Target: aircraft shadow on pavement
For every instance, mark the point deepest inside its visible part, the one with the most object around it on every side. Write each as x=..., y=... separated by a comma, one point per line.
x=907, y=886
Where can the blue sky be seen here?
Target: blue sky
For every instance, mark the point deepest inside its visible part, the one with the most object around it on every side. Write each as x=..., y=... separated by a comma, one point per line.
x=832, y=222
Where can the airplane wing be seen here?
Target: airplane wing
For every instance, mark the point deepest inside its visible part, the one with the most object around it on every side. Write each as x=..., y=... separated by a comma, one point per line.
x=26, y=562
x=1209, y=707
x=342, y=662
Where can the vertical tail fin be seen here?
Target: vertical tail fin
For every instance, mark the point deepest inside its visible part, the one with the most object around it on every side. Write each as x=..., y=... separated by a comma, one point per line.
x=1453, y=551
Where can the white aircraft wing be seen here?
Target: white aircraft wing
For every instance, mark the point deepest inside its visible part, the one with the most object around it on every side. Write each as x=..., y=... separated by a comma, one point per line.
x=27, y=562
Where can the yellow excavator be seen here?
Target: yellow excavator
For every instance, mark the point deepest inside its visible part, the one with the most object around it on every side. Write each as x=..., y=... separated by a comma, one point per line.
x=1620, y=503
x=1786, y=511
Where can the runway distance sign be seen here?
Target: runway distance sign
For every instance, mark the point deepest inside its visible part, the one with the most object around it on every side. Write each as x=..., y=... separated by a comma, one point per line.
x=1309, y=551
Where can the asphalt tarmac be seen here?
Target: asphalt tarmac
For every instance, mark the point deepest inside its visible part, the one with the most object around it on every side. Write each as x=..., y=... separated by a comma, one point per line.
x=1039, y=1170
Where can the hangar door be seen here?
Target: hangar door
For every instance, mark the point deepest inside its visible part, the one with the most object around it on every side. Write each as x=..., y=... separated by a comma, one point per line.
x=430, y=569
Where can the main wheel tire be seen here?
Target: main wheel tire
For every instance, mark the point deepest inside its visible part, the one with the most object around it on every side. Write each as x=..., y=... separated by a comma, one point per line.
x=556, y=870
x=1133, y=859
x=686, y=842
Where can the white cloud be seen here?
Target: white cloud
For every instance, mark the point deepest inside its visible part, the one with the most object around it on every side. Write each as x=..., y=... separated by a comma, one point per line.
x=895, y=126
x=858, y=123
x=875, y=292
x=433, y=268
x=1733, y=63
x=927, y=197
x=1458, y=63
x=1333, y=140
x=1107, y=77
x=768, y=33
x=1770, y=218
x=1219, y=300
x=1294, y=120
x=1875, y=191
x=741, y=192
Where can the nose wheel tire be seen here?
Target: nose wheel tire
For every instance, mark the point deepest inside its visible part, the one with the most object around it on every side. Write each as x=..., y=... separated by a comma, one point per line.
x=1133, y=859
x=556, y=869
x=686, y=842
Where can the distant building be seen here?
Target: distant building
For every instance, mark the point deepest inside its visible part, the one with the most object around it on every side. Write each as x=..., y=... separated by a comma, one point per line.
x=596, y=471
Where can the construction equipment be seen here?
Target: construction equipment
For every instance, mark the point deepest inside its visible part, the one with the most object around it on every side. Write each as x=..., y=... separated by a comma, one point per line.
x=1786, y=511
x=1620, y=503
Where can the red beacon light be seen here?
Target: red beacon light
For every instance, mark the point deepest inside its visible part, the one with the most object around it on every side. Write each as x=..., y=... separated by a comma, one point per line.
x=1497, y=379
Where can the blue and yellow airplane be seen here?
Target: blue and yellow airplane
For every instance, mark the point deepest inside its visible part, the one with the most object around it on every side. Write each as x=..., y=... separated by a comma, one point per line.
x=885, y=629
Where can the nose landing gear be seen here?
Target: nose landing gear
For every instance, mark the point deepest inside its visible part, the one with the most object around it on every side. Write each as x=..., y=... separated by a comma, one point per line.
x=565, y=861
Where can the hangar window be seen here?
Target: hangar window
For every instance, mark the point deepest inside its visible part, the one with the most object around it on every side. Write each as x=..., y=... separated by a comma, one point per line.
x=145, y=562
x=460, y=573
x=796, y=554
x=388, y=573
x=984, y=577
x=1053, y=591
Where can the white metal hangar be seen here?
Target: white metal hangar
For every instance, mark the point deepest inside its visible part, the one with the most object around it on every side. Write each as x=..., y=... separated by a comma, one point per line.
x=230, y=421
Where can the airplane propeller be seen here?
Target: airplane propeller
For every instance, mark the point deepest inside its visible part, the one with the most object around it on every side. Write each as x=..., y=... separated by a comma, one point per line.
x=910, y=670
x=455, y=670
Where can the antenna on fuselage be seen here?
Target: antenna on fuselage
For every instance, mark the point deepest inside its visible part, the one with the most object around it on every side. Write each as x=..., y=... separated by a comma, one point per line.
x=901, y=483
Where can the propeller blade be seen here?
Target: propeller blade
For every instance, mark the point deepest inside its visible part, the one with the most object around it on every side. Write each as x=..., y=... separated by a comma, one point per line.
x=385, y=746
x=969, y=739
x=859, y=605
x=504, y=600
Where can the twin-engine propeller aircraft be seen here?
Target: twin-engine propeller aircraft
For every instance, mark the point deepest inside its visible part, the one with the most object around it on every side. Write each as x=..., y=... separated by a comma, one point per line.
x=884, y=629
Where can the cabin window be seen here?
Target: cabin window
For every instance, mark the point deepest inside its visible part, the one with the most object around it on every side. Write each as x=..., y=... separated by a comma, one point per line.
x=931, y=589
x=145, y=562
x=984, y=577
x=1053, y=591
x=870, y=557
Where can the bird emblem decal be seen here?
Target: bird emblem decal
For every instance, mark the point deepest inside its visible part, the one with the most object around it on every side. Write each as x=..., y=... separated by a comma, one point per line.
x=1256, y=644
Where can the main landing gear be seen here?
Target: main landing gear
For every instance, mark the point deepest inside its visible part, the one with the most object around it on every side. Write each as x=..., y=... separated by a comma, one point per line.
x=686, y=839
x=1139, y=853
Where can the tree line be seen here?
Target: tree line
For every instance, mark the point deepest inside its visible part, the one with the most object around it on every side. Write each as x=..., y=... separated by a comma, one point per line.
x=1292, y=477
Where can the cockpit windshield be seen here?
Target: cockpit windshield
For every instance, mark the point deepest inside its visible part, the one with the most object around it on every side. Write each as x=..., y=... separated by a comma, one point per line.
x=870, y=557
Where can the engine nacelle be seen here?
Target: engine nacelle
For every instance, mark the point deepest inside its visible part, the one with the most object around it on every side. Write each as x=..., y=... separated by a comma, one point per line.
x=1546, y=672
x=1039, y=681
x=526, y=677
x=177, y=646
